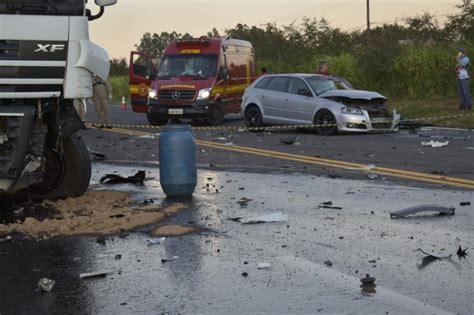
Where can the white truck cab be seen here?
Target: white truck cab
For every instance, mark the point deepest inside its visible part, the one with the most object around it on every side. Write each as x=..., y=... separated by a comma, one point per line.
x=46, y=62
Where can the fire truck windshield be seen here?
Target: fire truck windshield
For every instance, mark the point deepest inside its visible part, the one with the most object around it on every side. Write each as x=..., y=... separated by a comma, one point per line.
x=188, y=66
x=43, y=7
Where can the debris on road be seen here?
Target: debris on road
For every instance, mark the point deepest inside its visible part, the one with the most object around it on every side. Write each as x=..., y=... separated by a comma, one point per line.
x=434, y=144
x=110, y=179
x=245, y=274
x=264, y=265
x=437, y=253
x=244, y=201
x=96, y=274
x=6, y=239
x=328, y=263
x=328, y=205
x=163, y=261
x=462, y=253
x=372, y=176
x=174, y=230
x=96, y=156
x=423, y=208
x=266, y=218
x=465, y=203
x=46, y=285
x=368, y=285
x=118, y=257
x=289, y=140
x=156, y=241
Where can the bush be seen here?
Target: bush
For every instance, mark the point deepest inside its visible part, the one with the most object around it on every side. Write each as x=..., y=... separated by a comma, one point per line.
x=120, y=88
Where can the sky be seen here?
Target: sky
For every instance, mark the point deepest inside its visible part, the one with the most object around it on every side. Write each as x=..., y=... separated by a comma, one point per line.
x=123, y=25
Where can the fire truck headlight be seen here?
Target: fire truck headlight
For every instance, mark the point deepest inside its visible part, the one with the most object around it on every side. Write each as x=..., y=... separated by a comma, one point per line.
x=204, y=94
x=152, y=93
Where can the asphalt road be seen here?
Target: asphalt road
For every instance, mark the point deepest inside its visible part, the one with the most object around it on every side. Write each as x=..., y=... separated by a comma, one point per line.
x=398, y=151
x=316, y=256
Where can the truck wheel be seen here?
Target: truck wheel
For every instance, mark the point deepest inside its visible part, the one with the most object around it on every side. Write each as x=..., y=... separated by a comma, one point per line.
x=327, y=124
x=155, y=121
x=217, y=115
x=67, y=175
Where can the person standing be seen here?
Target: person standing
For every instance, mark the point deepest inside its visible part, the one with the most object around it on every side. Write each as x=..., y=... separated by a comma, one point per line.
x=462, y=68
x=263, y=71
x=102, y=93
x=323, y=68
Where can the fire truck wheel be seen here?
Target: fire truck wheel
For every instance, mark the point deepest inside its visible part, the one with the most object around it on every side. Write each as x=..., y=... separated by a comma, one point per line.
x=67, y=175
x=217, y=115
x=155, y=121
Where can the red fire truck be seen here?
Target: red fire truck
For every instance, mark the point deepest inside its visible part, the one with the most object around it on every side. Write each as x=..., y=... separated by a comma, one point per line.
x=201, y=79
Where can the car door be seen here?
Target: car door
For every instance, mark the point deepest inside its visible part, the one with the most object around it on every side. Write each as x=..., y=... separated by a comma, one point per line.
x=140, y=76
x=272, y=98
x=299, y=102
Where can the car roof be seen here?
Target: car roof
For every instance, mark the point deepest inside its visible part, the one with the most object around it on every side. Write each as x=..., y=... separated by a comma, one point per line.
x=303, y=75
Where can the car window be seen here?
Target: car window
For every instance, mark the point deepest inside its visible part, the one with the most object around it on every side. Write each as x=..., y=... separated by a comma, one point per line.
x=278, y=84
x=263, y=83
x=296, y=85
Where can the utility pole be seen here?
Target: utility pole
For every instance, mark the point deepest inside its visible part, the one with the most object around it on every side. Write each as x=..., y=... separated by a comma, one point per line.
x=368, y=15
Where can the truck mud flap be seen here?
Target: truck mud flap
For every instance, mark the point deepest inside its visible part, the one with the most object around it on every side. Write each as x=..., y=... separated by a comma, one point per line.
x=16, y=125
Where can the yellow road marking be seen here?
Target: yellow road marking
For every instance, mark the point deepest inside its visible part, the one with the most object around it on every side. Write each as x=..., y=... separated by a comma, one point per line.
x=398, y=173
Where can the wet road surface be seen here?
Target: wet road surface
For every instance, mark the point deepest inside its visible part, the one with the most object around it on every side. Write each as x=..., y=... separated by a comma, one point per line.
x=207, y=278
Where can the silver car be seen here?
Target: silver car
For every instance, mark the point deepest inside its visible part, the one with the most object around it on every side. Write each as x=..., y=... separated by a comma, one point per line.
x=306, y=99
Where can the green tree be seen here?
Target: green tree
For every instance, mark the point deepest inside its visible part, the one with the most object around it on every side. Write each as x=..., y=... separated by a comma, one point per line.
x=118, y=67
x=461, y=26
x=155, y=44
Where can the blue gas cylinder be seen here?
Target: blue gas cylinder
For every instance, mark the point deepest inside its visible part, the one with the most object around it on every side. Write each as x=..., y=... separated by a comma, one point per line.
x=178, y=169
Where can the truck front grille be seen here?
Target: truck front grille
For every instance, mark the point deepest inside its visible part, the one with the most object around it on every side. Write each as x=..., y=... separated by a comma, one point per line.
x=176, y=95
x=9, y=49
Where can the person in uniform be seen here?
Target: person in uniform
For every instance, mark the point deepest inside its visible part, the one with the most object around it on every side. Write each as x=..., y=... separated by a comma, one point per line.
x=102, y=93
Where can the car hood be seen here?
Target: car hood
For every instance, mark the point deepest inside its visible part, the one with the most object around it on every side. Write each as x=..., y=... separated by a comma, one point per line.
x=352, y=94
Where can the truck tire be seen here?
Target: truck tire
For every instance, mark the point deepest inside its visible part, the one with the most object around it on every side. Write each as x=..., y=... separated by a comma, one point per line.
x=66, y=176
x=217, y=115
x=155, y=121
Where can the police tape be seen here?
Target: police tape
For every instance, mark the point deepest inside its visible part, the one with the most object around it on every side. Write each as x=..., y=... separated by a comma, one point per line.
x=277, y=127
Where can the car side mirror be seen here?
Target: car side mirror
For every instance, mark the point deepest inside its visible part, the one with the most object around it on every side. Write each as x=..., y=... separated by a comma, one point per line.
x=105, y=3
x=223, y=73
x=304, y=92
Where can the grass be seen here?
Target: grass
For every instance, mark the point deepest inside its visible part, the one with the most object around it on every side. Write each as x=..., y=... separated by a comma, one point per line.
x=120, y=88
x=423, y=109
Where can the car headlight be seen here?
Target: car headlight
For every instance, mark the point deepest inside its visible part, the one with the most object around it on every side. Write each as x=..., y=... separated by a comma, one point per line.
x=351, y=111
x=204, y=94
x=152, y=93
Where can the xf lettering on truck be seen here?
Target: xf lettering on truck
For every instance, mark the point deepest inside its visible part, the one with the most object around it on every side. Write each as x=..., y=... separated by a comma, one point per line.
x=48, y=48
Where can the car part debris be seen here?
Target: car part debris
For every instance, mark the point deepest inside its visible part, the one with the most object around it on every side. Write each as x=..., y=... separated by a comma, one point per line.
x=423, y=208
x=462, y=253
x=155, y=241
x=266, y=218
x=244, y=201
x=328, y=205
x=96, y=274
x=465, y=203
x=245, y=274
x=110, y=179
x=6, y=239
x=118, y=257
x=148, y=202
x=434, y=144
x=46, y=285
x=437, y=253
x=368, y=285
x=264, y=265
x=289, y=140
x=169, y=259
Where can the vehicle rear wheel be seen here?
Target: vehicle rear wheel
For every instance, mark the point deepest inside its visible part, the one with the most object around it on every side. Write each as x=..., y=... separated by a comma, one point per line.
x=217, y=115
x=66, y=175
x=155, y=121
x=327, y=124
x=253, y=117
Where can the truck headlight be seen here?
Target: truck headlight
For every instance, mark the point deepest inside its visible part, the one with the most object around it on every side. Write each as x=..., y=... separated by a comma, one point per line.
x=204, y=94
x=152, y=93
x=351, y=111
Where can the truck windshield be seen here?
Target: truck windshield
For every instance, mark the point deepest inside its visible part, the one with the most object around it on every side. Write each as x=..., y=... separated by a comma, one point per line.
x=188, y=66
x=43, y=7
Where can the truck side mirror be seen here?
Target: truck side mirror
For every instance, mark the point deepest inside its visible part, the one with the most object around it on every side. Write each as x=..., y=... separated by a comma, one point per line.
x=105, y=3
